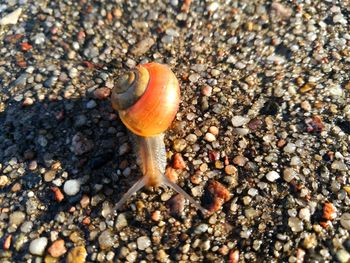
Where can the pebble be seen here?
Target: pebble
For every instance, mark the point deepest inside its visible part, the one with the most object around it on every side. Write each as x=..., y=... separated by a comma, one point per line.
x=58, y=194
x=289, y=148
x=230, y=169
x=202, y=228
x=176, y=205
x=71, y=187
x=295, y=224
x=7, y=242
x=343, y=256
x=27, y=102
x=11, y=18
x=49, y=176
x=305, y=214
x=339, y=165
x=17, y=218
x=80, y=144
x=27, y=226
x=209, y=137
x=77, y=255
x=143, y=242
x=219, y=195
x=37, y=246
x=57, y=248
x=194, y=77
x=329, y=211
x=91, y=104
x=345, y=221
x=4, y=180
x=106, y=240
x=240, y=160
x=124, y=148
x=102, y=93
x=238, y=121
x=212, y=7
x=132, y=256
x=339, y=18
x=178, y=161
x=73, y=72
x=143, y=46
x=121, y=221
x=179, y=145
x=207, y=91
x=272, y=176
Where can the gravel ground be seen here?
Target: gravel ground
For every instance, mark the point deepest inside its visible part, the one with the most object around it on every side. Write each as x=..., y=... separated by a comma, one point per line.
x=261, y=138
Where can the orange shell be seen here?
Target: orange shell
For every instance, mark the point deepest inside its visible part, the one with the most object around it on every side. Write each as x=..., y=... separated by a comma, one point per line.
x=154, y=111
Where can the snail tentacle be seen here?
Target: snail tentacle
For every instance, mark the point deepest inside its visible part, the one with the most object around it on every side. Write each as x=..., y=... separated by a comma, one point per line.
x=178, y=189
x=133, y=189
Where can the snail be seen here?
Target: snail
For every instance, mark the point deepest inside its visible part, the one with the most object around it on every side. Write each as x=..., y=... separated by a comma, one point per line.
x=147, y=100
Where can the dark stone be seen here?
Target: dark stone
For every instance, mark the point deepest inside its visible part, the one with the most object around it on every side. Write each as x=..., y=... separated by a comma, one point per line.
x=271, y=107
x=344, y=126
x=31, y=181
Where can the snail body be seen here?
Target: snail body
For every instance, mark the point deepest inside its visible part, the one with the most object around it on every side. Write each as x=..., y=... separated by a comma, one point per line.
x=147, y=100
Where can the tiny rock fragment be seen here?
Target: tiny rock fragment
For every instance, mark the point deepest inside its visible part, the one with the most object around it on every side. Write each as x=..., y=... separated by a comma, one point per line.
x=11, y=18
x=314, y=124
x=57, y=248
x=209, y=137
x=143, y=46
x=7, y=242
x=213, y=130
x=4, y=180
x=156, y=215
x=71, y=187
x=37, y=246
x=102, y=93
x=206, y=91
x=219, y=194
x=307, y=87
x=27, y=102
x=230, y=169
x=178, y=162
x=77, y=255
x=272, y=176
x=106, y=239
x=281, y=10
x=25, y=46
x=329, y=211
x=234, y=256
x=186, y=6
x=171, y=174
x=86, y=221
x=58, y=194
x=176, y=205
x=85, y=201
x=81, y=144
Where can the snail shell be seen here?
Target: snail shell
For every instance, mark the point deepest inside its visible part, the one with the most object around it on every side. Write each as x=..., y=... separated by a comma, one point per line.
x=147, y=99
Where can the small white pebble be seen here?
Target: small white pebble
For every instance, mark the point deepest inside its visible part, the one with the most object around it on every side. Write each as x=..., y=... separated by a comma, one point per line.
x=71, y=187
x=202, y=228
x=212, y=7
x=345, y=221
x=272, y=176
x=37, y=246
x=143, y=242
x=289, y=148
x=238, y=121
x=209, y=137
x=305, y=214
